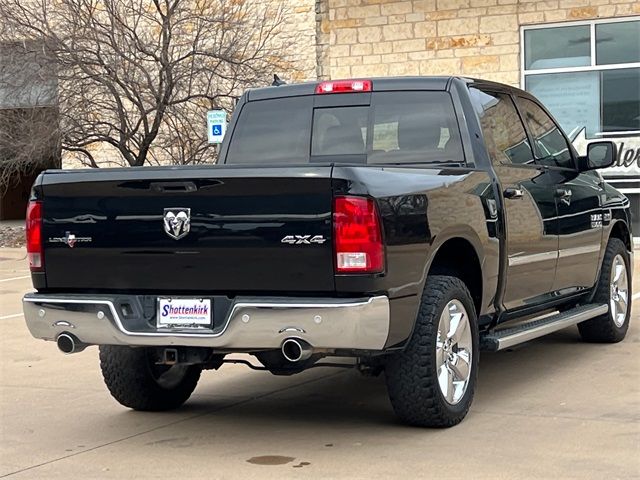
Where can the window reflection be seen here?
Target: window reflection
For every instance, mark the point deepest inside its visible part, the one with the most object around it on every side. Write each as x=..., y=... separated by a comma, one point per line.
x=503, y=131
x=557, y=47
x=617, y=42
x=549, y=145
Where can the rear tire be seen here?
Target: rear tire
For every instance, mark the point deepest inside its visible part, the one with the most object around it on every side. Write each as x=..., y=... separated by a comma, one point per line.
x=614, y=290
x=432, y=382
x=135, y=381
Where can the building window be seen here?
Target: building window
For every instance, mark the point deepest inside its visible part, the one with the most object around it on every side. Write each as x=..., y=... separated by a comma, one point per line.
x=587, y=74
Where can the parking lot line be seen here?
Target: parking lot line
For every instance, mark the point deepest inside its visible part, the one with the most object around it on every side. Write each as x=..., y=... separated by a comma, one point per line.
x=636, y=296
x=13, y=315
x=14, y=278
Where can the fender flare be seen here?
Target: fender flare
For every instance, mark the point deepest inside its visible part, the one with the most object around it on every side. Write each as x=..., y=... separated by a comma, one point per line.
x=454, y=232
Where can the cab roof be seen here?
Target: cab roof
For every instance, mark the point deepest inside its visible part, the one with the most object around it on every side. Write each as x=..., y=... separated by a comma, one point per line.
x=380, y=84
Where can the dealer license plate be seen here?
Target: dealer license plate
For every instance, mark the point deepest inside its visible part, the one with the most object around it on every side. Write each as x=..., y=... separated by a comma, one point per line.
x=184, y=312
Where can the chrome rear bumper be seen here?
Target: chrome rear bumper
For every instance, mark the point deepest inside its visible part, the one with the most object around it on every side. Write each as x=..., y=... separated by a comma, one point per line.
x=250, y=324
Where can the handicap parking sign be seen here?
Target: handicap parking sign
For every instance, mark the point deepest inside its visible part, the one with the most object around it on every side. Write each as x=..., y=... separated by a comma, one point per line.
x=216, y=125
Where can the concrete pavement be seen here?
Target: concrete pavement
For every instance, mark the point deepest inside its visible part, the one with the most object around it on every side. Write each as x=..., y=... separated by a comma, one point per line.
x=555, y=407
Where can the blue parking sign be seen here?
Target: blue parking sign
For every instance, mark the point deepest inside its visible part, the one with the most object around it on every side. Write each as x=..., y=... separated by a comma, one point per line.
x=216, y=125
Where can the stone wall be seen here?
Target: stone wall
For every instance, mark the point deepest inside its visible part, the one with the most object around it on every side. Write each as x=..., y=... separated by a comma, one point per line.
x=301, y=26
x=323, y=39
x=440, y=37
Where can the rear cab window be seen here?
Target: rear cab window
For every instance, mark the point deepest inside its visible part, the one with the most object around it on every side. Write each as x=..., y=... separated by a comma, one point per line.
x=271, y=131
x=391, y=127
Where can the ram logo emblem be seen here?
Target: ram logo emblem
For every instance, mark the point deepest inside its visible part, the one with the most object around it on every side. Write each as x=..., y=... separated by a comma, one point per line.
x=303, y=239
x=177, y=222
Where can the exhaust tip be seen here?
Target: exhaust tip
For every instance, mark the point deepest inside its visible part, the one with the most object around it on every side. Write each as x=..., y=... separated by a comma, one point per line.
x=296, y=350
x=68, y=344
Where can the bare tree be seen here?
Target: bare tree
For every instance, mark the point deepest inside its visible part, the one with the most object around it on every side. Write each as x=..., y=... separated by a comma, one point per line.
x=20, y=155
x=29, y=136
x=137, y=76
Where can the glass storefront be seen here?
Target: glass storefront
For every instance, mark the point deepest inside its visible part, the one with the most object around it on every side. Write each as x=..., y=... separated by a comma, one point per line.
x=588, y=75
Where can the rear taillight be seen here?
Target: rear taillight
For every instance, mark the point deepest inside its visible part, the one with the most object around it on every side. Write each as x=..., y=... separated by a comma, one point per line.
x=34, y=235
x=344, y=86
x=357, y=236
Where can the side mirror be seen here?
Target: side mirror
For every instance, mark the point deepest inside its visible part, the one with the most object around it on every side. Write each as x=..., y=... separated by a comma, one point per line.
x=599, y=155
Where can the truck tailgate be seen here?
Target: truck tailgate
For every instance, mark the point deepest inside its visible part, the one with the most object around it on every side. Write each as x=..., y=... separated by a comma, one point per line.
x=261, y=229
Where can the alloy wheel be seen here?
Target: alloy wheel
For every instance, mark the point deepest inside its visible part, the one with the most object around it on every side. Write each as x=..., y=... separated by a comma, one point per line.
x=619, y=297
x=454, y=350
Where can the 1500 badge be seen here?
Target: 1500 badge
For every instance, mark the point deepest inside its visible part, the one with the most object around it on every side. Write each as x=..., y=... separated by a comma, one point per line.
x=303, y=239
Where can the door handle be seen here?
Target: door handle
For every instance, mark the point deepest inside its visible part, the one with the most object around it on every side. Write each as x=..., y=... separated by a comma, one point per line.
x=512, y=192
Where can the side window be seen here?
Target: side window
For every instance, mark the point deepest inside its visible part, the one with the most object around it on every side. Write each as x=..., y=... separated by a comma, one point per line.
x=503, y=131
x=549, y=146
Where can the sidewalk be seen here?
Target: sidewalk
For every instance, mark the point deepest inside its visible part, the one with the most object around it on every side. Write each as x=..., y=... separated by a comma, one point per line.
x=11, y=223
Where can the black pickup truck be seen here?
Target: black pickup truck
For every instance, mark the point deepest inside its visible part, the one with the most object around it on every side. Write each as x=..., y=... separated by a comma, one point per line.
x=405, y=222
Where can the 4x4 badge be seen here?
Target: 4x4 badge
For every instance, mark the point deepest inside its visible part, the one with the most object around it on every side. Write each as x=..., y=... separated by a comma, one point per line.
x=303, y=239
x=177, y=222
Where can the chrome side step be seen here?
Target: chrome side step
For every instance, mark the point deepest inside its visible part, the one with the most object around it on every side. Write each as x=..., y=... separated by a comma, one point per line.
x=508, y=337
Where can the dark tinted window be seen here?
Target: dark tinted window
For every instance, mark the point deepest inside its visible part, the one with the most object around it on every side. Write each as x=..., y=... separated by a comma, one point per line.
x=620, y=100
x=557, y=47
x=414, y=127
x=339, y=131
x=408, y=127
x=502, y=128
x=618, y=42
x=549, y=145
x=398, y=127
x=272, y=131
